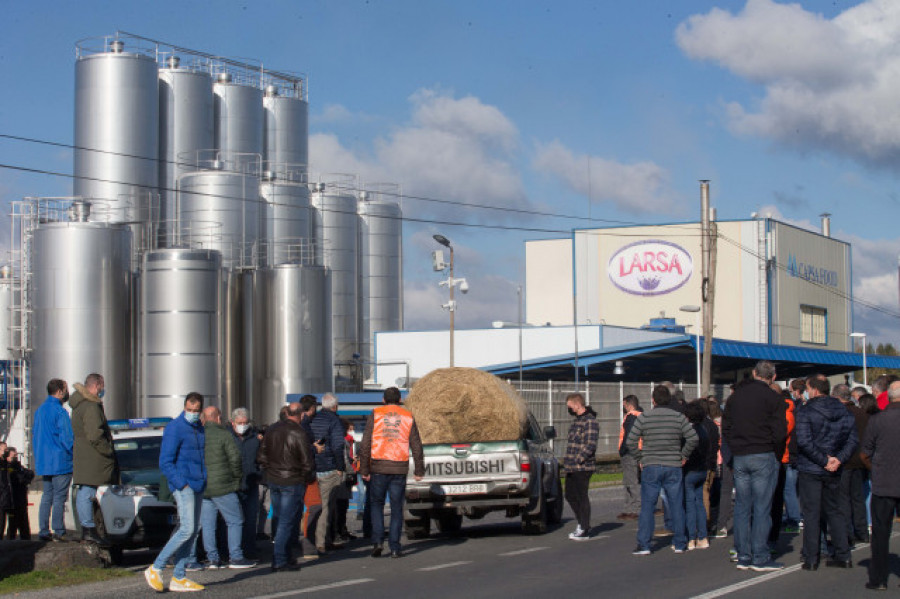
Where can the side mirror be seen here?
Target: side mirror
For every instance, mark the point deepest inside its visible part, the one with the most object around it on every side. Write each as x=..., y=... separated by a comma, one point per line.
x=550, y=432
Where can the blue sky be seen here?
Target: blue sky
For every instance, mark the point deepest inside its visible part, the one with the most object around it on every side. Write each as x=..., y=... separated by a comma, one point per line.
x=789, y=109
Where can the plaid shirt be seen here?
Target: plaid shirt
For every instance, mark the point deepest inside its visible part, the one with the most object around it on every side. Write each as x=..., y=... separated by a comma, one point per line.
x=582, y=443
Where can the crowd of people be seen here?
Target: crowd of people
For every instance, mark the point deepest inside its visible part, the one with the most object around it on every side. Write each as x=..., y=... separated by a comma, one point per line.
x=807, y=459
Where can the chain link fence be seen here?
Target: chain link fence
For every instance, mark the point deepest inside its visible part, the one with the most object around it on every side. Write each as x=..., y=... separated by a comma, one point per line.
x=547, y=401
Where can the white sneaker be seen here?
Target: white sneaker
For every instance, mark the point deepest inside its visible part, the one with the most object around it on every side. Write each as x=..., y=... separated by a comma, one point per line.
x=578, y=532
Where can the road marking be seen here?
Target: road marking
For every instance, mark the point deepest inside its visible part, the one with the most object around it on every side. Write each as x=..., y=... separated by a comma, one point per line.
x=322, y=587
x=521, y=551
x=442, y=566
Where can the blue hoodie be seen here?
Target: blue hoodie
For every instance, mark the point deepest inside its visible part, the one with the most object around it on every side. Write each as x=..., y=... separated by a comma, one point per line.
x=53, y=439
x=181, y=455
x=824, y=427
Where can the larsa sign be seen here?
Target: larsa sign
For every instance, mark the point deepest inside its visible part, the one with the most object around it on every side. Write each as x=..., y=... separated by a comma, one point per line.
x=651, y=267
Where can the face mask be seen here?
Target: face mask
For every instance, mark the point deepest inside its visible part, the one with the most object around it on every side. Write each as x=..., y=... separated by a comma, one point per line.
x=192, y=417
x=65, y=397
x=241, y=428
x=571, y=412
x=806, y=396
x=102, y=393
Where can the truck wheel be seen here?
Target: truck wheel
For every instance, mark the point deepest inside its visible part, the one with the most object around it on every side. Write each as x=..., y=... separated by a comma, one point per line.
x=418, y=527
x=536, y=524
x=115, y=552
x=449, y=522
x=555, y=513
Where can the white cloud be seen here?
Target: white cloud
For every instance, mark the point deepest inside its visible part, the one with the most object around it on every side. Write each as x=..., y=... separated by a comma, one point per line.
x=641, y=187
x=333, y=113
x=829, y=84
x=490, y=298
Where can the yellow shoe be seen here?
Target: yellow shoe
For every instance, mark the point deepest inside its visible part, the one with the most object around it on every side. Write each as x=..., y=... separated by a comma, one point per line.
x=183, y=585
x=154, y=579
x=692, y=544
x=702, y=544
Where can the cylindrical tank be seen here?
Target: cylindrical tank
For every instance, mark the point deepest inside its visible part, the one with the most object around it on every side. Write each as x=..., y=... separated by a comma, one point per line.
x=238, y=117
x=179, y=329
x=221, y=210
x=7, y=318
x=292, y=335
x=336, y=231
x=117, y=133
x=185, y=128
x=286, y=132
x=381, y=272
x=287, y=221
x=237, y=340
x=81, y=308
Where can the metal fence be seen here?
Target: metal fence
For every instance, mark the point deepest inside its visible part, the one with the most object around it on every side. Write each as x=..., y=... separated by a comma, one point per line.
x=547, y=401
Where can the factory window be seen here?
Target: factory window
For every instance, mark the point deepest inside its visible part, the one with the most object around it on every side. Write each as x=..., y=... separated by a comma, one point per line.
x=813, y=325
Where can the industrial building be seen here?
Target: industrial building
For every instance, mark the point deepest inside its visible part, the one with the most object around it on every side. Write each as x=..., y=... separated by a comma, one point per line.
x=197, y=252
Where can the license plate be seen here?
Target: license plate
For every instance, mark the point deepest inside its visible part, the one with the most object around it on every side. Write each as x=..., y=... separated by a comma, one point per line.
x=463, y=489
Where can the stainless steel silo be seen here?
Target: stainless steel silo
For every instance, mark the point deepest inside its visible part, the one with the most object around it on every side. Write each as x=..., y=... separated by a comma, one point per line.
x=336, y=231
x=185, y=128
x=81, y=308
x=292, y=336
x=237, y=340
x=7, y=315
x=221, y=210
x=238, y=117
x=286, y=132
x=287, y=220
x=117, y=134
x=381, y=272
x=180, y=321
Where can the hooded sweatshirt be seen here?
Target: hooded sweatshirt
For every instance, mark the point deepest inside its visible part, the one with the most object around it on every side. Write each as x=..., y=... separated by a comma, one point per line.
x=824, y=428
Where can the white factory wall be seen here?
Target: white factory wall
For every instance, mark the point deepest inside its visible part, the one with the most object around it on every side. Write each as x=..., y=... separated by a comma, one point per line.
x=548, y=266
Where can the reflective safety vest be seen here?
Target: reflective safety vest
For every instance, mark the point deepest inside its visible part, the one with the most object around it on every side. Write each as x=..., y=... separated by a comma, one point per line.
x=390, y=433
x=634, y=413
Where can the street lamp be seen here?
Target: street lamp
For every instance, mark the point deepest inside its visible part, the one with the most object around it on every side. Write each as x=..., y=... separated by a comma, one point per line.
x=451, y=284
x=865, y=374
x=695, y=310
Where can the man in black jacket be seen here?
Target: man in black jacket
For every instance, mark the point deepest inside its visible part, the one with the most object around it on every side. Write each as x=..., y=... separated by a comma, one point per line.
x=631, y=471
x=881, y=452
x=754, y=427
x=246, y=437
x=286, y=457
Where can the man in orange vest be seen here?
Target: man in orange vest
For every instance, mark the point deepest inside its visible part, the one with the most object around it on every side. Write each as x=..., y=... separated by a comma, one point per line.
x=390, y=436
x=631, y=472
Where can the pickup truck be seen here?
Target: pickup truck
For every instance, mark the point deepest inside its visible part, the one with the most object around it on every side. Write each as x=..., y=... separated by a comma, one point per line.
x=520, y=477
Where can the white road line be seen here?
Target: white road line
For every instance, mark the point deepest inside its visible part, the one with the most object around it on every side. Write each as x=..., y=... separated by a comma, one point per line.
x=521, y=551
x=442, y=566
x=322, y=587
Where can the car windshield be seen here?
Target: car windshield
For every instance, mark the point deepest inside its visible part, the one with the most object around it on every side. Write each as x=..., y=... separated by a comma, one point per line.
x=138, y=459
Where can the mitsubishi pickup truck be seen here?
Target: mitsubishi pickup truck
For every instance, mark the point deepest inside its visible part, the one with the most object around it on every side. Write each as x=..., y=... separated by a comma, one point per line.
x=520, y=477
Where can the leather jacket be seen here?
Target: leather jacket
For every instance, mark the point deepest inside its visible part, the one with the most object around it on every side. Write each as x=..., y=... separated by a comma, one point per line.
x=286, y=455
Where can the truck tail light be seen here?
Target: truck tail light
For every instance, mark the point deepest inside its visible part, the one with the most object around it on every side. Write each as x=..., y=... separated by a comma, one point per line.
x=525, y=466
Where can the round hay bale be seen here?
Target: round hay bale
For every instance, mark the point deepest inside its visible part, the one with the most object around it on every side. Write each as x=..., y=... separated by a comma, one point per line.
x=465, y=405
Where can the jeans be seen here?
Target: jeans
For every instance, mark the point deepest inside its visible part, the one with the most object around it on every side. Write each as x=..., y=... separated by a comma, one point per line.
x=631, y=480
x=695, y=512
x=84, y=505
x=287, y=503
x=883, y=509
x=250, y=507
x=791, y=501
x=755, y=477
x=56, y=487
x=653, y=480
x=382, y=485
x=328, y=484
x=820, y=495
x=577, y=484
x=230, y=508
x=181, y=542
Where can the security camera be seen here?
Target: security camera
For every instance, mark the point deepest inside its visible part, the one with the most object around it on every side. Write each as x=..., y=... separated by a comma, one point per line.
x=464, y=286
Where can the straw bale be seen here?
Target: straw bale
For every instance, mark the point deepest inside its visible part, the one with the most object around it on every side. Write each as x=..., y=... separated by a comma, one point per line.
x=465, y=405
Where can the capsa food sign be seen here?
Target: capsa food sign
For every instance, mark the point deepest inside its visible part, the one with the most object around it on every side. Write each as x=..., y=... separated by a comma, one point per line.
x=651, y=267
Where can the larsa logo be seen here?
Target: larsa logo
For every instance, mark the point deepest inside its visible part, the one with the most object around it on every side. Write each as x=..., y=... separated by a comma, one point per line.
x=651, y=267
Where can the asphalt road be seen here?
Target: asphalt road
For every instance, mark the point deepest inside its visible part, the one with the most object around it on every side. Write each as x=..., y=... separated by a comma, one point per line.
x=491, y=558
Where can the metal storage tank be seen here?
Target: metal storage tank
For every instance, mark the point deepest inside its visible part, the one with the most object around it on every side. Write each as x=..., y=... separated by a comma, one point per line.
x=185, y=128
x=287, y=221
x=286, y=132
x=336, y=230
x=221, y=210
x=238, y=114
x=180, y=300
x=7, y=318
x=237, y=340
x=381, y=271
x=292, y=335
x=117, y=131
x=81, y=308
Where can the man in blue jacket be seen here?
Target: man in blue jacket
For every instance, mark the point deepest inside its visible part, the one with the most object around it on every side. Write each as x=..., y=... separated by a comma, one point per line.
x=826, y=438
x=181, y=462
x=53, y=441
x=327, y=429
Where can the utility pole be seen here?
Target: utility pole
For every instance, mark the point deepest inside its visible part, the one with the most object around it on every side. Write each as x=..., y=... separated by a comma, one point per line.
x=705, y=287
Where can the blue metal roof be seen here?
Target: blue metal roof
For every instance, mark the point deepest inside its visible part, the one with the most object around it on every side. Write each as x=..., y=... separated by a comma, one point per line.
x=789, y=353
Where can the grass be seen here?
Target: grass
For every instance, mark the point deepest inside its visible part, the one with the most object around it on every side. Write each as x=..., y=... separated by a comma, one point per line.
x=42, y=579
